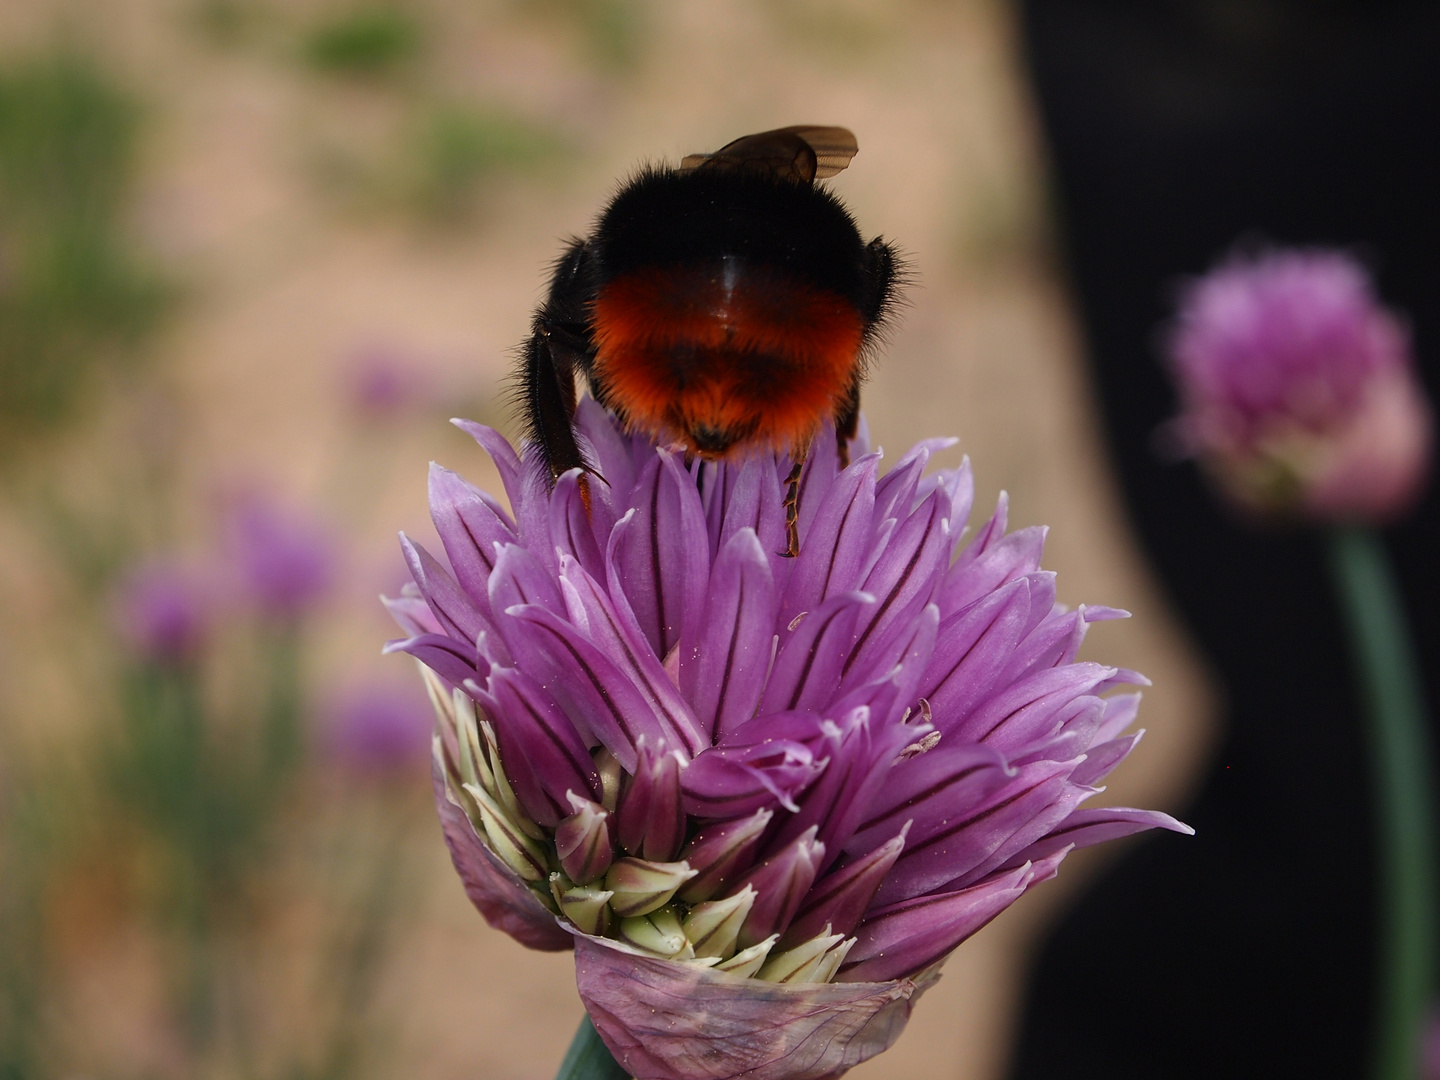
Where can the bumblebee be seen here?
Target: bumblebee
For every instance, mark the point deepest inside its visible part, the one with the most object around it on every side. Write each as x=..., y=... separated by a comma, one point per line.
x=725, y=305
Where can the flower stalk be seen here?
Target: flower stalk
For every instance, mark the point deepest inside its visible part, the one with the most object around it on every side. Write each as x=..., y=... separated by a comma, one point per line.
x=1400, y=761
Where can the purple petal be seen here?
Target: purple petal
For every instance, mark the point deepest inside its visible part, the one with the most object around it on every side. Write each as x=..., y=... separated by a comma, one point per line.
x=1018, y=713
x=721, y=852
x=457, y=613
x=726, y=782
x=723, y=675
x=664, y=1020
x=754, y=500
x=895, y=492
x=905, y=577
x=807, y=669
x=839, y=901
x=833, y=552
x=612, y=627
x=650, y=819
x=1015, y=556
x=780, y=883
x=582, y=841
x=452, y=660
x=412, y=613
x=971, y=648
x=571, y=530
x=518, y=578
x=505, y=901
x=544, y=756
x=1084, y=828
x=929, y=792
x=595, y=694
x=662, y=554
x=1102, y=758
x=977, y=839
x=907, y=937
x=469, y=528
x=609, y=450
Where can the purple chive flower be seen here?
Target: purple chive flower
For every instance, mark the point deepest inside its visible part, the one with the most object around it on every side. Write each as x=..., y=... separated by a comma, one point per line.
x=163, y=612
x=283, y=560
x=762, y=798
x=1297, y=388
x=378, y=729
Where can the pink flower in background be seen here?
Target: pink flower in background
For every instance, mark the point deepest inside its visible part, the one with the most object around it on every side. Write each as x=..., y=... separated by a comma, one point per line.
x=283, y=560
x=1297, y=388
x=379, y=728
x=163, y=612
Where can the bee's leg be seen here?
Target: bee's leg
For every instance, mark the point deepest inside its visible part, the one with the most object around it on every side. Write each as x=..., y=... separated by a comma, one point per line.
x=792, y=508
x=847, y=421
x=547, y=383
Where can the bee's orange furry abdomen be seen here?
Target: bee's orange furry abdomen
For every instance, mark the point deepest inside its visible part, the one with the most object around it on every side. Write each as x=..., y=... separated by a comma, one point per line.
x=728, y=348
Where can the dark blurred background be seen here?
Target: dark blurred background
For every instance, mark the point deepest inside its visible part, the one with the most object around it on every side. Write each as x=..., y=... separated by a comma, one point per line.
x=1176, y=130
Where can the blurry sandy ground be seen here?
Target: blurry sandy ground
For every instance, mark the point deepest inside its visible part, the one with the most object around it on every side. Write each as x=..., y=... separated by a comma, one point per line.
x=285, y=285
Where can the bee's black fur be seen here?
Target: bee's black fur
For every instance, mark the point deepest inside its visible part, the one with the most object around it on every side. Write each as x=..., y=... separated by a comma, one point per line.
x=666, y=218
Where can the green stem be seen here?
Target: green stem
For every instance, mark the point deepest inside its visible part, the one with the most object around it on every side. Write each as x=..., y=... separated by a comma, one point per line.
x=588, y=1058
x=1400, y=753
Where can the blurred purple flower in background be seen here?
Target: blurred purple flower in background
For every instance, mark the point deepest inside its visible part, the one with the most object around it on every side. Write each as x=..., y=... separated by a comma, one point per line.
x=283, y=560
x=1297, y=388
x=762, y=797
x=378, y=728
x=383, y=383
x=163, y=612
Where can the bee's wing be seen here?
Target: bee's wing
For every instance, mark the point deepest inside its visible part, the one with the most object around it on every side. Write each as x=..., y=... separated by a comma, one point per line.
x=803, y=153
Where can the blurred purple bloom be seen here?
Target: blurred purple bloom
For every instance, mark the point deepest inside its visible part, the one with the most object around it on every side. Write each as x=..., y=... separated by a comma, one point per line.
x=163, y=612
x=785, y=789
x=1297, y=388
x=284, y=561
x=383, y=383
x=379, y=728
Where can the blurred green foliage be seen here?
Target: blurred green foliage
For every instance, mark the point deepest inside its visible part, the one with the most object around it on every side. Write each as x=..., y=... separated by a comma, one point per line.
x=72, y=294
x=456, y=150
x=614, y=32
x=369, y=40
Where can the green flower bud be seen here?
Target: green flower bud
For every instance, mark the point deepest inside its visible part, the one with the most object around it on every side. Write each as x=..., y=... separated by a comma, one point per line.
x=640, y=886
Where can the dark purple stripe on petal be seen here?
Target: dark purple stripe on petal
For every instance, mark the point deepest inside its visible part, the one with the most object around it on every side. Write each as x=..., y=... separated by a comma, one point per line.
x=452, y=660
x=1084, y=828
x=806, y=674
x=542, y=752
x=909, y=937
x=469, y=528
x=835, y=551
x=723, y=675
x=594, y=693
x=457, y=613
x=614, y=630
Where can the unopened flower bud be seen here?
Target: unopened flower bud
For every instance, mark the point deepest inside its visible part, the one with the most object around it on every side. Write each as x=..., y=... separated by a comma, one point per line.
x=747, y=962
x=781, y=883
x=507, y=839
x=660, y=932
x=583, y=841
x=584, y=905
x=610, y=774
x=713, y=926
x=802, y=963
x=650, y=818
x=721, y=852
x=640, y=887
